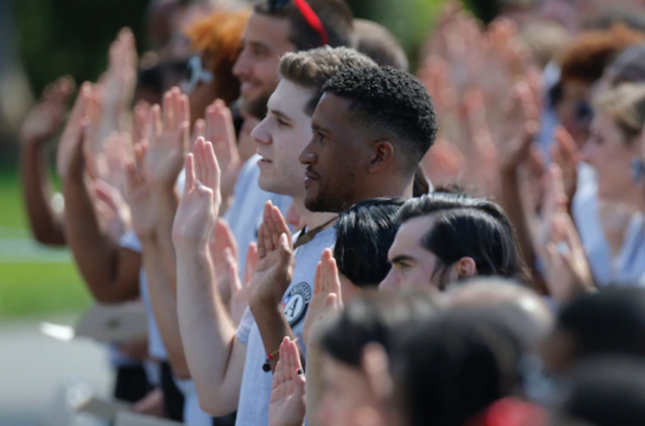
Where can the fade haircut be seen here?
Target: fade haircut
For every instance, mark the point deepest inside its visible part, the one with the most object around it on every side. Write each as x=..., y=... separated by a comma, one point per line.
x=335, y=16
x=392, y=103
x=312, y=68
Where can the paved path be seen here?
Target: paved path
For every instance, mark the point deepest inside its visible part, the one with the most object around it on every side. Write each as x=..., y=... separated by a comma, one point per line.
x=34, y=368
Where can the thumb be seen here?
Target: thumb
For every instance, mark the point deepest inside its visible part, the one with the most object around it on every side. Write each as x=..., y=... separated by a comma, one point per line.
x=251, y=262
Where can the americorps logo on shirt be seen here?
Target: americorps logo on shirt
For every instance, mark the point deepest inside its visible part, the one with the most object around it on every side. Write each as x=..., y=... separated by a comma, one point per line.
x=296, y=302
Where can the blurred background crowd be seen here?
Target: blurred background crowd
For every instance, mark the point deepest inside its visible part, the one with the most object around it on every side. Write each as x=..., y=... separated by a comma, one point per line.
x=540, y=110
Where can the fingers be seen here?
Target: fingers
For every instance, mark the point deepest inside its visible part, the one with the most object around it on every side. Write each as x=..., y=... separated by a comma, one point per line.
x=232, y=271
x=225, y=237
x=251, y=261
x=212, y=167
x=318, y=278
x=190, y=173
x=269, y=242
x=199, y=129
x=262, y=251
x=294, y=353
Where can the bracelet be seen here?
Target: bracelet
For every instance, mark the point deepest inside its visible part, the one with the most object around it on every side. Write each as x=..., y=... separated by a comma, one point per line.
x=267, y=366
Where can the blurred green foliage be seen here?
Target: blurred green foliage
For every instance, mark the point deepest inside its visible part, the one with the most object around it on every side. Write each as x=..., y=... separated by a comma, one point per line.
x=71, y=36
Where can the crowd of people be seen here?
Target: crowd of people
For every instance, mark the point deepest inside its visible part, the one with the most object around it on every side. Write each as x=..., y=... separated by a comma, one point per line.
x=320, y=236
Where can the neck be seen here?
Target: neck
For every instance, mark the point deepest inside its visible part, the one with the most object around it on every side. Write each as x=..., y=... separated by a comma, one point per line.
x=309, y=218
x=390, y=188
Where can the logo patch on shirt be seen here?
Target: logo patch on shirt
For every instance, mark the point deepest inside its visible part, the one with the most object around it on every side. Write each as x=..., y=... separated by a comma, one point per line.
x=296, y=302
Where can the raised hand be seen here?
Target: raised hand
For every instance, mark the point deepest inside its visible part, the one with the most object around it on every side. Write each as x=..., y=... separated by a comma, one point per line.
x=45, y=118
x=566, y=155
x=287, y=403
x=139, y=194
x=167, y=138
x=567, y=270
x=223, y=252
x=327, y=297
x=200, y=201
x=275, y=259
x=241, y=292
x=112, y=210
x=117, y=84
x=68, y=153
x=221, y=132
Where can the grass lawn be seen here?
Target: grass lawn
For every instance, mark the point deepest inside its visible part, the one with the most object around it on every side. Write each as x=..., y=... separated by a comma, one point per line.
x=33, y=279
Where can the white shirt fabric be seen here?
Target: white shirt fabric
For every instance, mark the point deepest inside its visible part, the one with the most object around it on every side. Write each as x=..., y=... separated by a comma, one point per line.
x=628, y=266
x=193, y=415
x=245, y=213
x=253, y=406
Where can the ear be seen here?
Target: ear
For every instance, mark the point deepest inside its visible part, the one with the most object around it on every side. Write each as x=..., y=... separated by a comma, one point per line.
x=465, y=267
x=382, y=155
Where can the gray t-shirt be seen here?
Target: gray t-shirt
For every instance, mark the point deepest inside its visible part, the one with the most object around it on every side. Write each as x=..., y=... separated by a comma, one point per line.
x=253, y=406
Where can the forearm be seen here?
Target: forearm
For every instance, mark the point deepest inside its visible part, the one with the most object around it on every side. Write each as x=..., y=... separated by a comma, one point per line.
x=166, y=201
x=273, y=326
x=164, y=305
x=512, y=204
x=46, y=225
x=98, y=259
x=215, y=357
x=314, y=385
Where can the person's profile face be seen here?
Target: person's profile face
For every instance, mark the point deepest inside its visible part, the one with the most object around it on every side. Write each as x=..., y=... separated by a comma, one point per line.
x=574, y=110
x=266, y=39
x=610, y=154
x=281, y=136
x=413, y=266
x=336, y=157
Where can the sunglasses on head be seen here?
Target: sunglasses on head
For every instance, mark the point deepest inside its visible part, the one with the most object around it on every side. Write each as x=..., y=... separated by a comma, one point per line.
x=306, y=11
x=196, y=74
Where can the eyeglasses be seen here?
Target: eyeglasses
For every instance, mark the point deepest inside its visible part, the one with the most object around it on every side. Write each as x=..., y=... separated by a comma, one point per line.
x=196, y=74
x=307, y=12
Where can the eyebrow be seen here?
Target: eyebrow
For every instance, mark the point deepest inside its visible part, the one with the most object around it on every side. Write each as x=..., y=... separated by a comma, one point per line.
x=318, y=128
x=401, y=258
x=280, y=114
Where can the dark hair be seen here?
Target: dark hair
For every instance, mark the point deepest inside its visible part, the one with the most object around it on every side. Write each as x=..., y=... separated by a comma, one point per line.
x=375, y=316
x=335, y=16
x=393, y=103
x=465, y=226
x=607, y=392
x=312, y=68
x=448, y=369
x=609, y=322
x=364, y=234
x=377, y=42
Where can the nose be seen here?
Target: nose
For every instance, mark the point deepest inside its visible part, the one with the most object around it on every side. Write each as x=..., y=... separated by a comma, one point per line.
x=260, y=134
x=389, y=282
x=242, y=65
x=307, y=156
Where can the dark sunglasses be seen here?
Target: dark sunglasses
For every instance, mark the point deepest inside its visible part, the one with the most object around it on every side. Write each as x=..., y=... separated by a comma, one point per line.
x=306, y=11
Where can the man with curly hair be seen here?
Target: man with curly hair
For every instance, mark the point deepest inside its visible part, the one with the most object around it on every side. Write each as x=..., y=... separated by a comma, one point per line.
x=371, y=128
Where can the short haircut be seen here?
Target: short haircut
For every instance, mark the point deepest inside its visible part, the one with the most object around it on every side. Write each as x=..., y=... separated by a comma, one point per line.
x=220, y=34
x=465, y=226
x=377, y=42
x=312, y=68
x=392, y=103
x=335, y=16
x=611, y=322
x=364, y=234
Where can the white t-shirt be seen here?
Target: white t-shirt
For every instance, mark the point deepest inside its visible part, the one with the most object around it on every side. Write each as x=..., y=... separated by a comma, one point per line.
x=245, y=213
x=628, y=266
x=253, y=406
